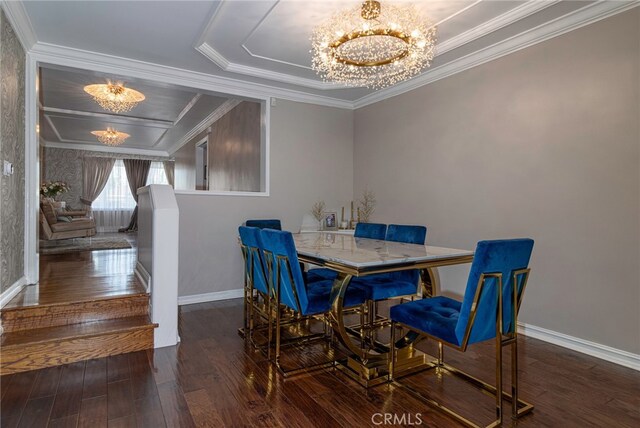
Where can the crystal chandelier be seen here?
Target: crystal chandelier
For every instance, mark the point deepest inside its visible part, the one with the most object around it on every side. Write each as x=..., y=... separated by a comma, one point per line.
x=373, y=45
x=114, y=96
x=111, y=137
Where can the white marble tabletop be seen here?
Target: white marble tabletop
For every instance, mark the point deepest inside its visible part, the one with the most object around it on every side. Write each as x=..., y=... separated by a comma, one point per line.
x=363, y=253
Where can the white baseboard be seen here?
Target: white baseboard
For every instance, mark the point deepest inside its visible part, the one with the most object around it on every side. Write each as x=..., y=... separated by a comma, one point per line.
x=143, y=276
x=597, y=350
x=211, y=297
x=10, y=292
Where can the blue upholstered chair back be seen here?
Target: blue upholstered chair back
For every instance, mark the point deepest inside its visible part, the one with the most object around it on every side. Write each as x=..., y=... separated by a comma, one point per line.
x=265, y=224
x=500, y=256
x=406, y=233
x=250, y=238
x=370, y=230
x=410, y=235
x=281, y=244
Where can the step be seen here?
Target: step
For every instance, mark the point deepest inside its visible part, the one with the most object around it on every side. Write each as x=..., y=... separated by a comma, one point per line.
x=62, y=313
x=53, y=346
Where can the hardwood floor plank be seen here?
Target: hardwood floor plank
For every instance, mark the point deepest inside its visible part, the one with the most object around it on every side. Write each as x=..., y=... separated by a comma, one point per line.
x=117, y=368
x=149, y=412
x=142, y=381
x=70, y=421
x=93, y=412
x=16, y=397
x=36, y=413
x=47, y=382
x=174, y=406
x=123, y=422
x=202, y=409
x=119, y=399
x=95, y=378
x=69, y=394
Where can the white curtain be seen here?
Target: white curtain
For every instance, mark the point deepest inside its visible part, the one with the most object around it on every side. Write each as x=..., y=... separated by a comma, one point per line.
x=112, y=210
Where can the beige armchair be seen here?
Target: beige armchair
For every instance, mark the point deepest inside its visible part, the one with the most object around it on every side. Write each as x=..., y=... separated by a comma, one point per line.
x=51, y=228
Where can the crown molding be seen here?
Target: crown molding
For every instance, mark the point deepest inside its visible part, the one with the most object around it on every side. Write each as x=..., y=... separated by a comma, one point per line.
x=105, y=149
x=217, y=58
x=226, y=107
x=584, y=16
x=77, y=58
x=19, y=19
x=187, y=108
x=510, y=17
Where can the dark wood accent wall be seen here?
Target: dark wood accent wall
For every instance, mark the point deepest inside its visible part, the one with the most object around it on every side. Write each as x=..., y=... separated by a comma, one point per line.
x=234, y=150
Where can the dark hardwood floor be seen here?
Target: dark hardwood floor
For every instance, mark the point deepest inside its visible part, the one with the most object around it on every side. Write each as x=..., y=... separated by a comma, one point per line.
x=213, y=379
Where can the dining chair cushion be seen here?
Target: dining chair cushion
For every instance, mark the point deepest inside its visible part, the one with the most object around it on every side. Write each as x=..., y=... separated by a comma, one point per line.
x=370, y=230
x=437, y=316
x=319, y=294
x=381, y=287
x=402, y=283
x=320, y=274
x=265, y=224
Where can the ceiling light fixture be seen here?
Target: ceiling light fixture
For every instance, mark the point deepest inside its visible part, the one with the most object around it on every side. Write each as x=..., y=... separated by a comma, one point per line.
x=114, y=96
x=373, y=45
x=111, y=137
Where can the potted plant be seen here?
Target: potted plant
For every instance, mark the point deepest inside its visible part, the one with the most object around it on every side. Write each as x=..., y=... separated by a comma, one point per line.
x=49, y=190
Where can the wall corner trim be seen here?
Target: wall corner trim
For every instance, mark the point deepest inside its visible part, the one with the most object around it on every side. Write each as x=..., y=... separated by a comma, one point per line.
x=211, y=297
x=11, y=292
x=19, y=19
x=607, y=353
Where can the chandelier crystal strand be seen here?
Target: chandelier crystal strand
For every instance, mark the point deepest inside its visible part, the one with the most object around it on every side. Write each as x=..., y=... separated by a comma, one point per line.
x=114, y=96
x=111, y=137
x=373, y=45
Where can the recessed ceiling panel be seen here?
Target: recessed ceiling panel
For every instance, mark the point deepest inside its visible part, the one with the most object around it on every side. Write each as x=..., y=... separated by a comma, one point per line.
x=284, y=33
x=64, y=89
x=75, y=129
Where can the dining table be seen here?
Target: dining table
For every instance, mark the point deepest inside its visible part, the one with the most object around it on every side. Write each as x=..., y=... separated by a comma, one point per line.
x=353, y=257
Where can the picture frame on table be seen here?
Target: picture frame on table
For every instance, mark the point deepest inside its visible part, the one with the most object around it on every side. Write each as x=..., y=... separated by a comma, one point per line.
x=330, y=221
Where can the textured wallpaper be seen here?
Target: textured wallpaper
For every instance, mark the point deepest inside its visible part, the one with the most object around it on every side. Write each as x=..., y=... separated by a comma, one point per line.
x=64, y=165
x=12, y=63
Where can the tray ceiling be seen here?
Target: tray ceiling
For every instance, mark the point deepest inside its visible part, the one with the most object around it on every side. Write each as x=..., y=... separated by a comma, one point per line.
x=267, y=42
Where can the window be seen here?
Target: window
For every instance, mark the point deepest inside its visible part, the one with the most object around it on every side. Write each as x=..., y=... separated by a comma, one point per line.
x=113, y=208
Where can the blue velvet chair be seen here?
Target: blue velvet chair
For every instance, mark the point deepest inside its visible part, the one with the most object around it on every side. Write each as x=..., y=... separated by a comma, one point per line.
x=265, y=224
x=370, y=230
x=406, y=233
x=489, y=310
x=292, y=291
x=255, y=278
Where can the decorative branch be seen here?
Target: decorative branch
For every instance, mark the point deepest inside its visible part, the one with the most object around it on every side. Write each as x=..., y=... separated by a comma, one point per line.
x=367, y=206
x=318, y=210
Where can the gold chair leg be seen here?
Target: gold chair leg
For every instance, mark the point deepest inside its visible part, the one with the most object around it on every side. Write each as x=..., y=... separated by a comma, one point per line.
x=514, y=378
x=392, y=351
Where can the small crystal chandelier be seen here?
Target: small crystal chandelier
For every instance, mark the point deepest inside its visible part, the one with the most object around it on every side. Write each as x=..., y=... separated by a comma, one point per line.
x=373, y=45
x=111, y=137
x=114, y=96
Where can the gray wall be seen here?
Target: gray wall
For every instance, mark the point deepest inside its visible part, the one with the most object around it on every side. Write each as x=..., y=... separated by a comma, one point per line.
x=541, y=143
x=12, y=63
x=311, y=159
